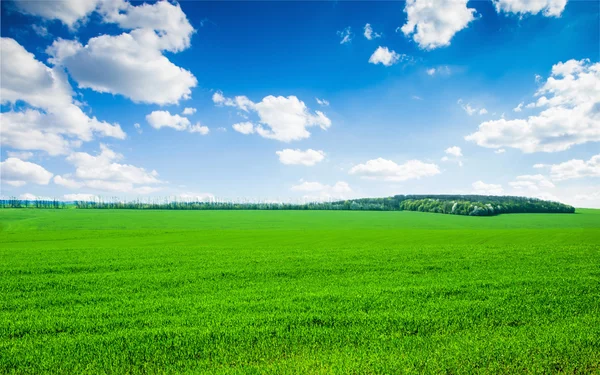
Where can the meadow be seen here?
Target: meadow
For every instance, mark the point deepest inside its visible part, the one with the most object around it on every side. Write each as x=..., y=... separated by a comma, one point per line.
x=142, y=291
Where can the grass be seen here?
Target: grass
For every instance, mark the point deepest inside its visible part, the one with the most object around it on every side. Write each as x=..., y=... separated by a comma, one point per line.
x=118, y=291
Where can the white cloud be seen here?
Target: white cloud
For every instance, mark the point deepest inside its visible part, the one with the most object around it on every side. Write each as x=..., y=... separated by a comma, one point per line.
x=482, y=188
x=433, y=23
x=244, y=127
x=440, y=70
x=193, y=197
x=23, y=155
x=198, y=128
x=388, y=170
x=69, y=12
x=66, y=181
x=531, y=182
x=518, y=108
x=188, y=111
x=27, y=197
x=160, y=119
x=164, y=119
x=369, y=33
x=282, y=118
x=500, y=151
x=56, y=124
x=132, y=64
x=576, y=168
x=454, y=151
x=309, y=157
x=471, y=110
x=81, y=197
x=138, y=128
x=322, y=102
x=316, y=191
x=383, y=55
x=40, y=30
x=103, y=172
x=17, y=172
x=571, y=97
x=549, y=8
x=346, y=35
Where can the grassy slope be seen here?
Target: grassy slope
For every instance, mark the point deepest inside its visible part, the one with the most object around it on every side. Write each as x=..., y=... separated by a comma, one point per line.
x=302, y=292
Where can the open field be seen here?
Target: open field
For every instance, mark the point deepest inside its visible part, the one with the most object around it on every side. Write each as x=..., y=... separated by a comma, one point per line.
x=118, y=291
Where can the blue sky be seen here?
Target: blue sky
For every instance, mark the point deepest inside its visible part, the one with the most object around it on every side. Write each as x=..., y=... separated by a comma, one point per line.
x=427, y=102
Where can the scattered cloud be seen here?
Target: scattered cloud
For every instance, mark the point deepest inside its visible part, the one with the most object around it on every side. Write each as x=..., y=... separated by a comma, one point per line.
x=138, y=128
x=23, y=155
x=316, y=191
x=482, y=188
x=16, y=172
x=54, y=123
x=571, y=100
x=188, y=111
x=81, y=197
x=454, y=151
x=103, y=172
x=69, y=12
x=309, y=157
x=575, y=168
x=384, y=56
x=440, y=70
x=322, y=102
x=471, y=110
x=132, y=64
x=164, y=119
x=433, y=24
x=281, y=118
x=531, y=182
x=244, y=127
x=346, y=35
x=387, y=170
x=549, y=8
x=500, y=151
x=369, y=33
x=518, y=108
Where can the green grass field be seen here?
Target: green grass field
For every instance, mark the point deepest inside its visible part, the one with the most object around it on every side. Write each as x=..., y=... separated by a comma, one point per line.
x=117, y=291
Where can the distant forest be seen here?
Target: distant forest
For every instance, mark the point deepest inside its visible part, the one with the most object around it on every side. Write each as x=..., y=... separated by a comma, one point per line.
x=471, y=205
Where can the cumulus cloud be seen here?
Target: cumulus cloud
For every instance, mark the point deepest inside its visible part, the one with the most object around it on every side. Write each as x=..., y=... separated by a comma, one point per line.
x=132, y=64
x=575, y=168
x=531, y=182
x=454, y=151
x=369, y=33
x=188, y=111
x=482, y=188
x=69, y=12
x=164, y=119
x=55, y=124
x=346, y=35
x=549, y=8
x=103, y=172
x=309, y=157
x=16, y=172
x=244, y=127
x=387, y=170
x=432, y=24
x=282, y=118
x=384, y=56
x=571, y=98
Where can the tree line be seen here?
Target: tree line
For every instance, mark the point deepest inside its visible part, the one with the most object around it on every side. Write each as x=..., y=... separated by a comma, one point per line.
x=472, y=205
